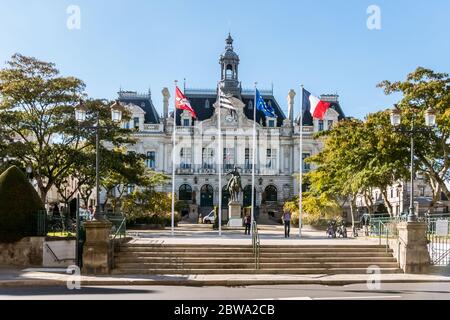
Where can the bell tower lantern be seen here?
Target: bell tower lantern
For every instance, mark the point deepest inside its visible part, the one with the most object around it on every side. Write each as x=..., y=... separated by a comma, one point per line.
x=229, y=62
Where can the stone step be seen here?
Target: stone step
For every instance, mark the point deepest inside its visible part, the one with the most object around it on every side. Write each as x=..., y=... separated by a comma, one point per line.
x=249, y=250
x=211, y=255
x=196, y=246
x=275, y=265
x=143, y=271
x=159, y=259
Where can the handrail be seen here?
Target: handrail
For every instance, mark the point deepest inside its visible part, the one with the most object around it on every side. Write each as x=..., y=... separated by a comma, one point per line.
x=55, y=257
x=256, y=244
x=122, y=224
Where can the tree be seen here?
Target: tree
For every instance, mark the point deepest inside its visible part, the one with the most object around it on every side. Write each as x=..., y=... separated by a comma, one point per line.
x=19, y=203
x=422, y=89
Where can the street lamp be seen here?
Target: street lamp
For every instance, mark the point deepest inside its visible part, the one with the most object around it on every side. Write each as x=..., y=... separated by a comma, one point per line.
x=80, y=115
x=430, y=121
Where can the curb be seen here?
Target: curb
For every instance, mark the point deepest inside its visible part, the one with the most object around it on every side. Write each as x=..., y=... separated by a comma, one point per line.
x=202, y=283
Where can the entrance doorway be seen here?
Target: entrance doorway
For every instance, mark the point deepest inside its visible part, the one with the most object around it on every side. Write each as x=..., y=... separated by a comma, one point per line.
x=248, y=196
x=207, y=196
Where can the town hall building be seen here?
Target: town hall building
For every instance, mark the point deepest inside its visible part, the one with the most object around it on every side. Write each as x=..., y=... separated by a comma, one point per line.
x=196, y=152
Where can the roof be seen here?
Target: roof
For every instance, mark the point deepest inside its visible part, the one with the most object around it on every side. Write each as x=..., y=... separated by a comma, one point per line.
x=198, y=99
x=144, y=101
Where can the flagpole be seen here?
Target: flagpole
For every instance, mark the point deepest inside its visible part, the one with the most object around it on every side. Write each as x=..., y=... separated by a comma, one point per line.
x=253, y=161
x=173, y=159
x=300, y=197
x=220, y=156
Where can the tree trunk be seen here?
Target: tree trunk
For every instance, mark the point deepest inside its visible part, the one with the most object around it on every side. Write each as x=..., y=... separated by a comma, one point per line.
x=352, y=211
x=387, y=203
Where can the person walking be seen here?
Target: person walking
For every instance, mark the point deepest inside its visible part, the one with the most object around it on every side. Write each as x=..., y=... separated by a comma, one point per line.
x=287, y=223
x=247, y=223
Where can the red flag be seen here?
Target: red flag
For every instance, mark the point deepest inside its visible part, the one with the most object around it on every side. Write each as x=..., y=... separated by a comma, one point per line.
x=181, y=102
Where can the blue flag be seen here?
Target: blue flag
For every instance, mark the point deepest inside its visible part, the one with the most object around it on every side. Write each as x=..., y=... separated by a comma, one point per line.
x=262, y=106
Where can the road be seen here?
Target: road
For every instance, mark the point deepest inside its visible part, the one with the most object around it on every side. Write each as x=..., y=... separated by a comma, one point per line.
x=392, y=291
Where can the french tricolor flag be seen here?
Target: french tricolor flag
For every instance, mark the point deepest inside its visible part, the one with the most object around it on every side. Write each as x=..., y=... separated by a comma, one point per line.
x=317, y=107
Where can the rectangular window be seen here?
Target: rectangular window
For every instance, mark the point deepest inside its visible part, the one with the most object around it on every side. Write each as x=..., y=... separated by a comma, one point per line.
x=151, y=159
x=306, y=166
x=330, y=124
x=208, y=158
x=248, y=159
x=136, y=122
x=185, y=155
x=186, y=122
x=271, y=159
x=320, y=125
x=271, y=123
x=228, y=158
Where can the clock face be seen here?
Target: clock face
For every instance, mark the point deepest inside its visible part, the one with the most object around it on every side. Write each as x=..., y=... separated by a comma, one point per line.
x=229, y=118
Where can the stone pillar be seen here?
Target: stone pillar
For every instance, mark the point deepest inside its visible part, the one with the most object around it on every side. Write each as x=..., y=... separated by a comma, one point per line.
x=234, y=212
x=414, y=257
x=290, y=101
x=96, y=251
x=166, y=97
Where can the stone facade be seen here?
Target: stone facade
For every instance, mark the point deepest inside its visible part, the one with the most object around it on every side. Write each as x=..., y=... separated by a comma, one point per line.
x=25, y=252
x=196, y=151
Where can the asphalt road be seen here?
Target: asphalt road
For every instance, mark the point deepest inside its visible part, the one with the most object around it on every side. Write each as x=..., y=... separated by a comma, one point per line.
x=401, y=291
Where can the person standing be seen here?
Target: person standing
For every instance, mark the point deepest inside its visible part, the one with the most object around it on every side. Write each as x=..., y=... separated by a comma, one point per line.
x=247, y=224
x=287, y=223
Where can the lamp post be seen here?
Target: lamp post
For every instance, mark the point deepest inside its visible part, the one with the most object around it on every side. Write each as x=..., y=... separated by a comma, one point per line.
x=80, y=117
x=430, y=121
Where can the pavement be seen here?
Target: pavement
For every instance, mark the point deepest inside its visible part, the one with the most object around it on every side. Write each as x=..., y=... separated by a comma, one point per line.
x=61, y=277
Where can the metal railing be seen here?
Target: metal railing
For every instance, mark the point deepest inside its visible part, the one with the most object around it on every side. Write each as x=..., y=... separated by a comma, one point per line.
x=117, y=232
x=256, y=245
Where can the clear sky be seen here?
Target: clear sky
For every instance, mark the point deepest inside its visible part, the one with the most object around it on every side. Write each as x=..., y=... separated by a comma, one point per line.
x=323, y=44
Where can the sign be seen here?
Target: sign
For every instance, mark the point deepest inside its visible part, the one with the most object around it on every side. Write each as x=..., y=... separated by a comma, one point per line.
x=442, y=228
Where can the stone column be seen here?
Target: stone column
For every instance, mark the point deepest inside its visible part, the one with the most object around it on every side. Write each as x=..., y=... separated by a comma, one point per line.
x=96, y=251
x=414, y=257
x=290, y=101
x=166, y=97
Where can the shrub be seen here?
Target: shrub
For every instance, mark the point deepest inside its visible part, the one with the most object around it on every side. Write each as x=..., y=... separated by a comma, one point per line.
x=19, y=203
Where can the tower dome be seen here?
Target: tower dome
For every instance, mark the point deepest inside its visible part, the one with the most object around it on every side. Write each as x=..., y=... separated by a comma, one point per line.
x=229, y=62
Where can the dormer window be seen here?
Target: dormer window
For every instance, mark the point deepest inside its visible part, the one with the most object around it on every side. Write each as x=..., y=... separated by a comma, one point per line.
x=250, y=105
x=330, y=124
x=207, y=105
x=186, y=122
x=271, y=124
x=320, y=125
x=136, y=122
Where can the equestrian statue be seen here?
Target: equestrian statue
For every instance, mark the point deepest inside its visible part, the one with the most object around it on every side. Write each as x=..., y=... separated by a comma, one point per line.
x=234, y=186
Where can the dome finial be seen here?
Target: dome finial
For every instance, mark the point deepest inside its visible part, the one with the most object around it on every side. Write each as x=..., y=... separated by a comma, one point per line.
x=229, y=40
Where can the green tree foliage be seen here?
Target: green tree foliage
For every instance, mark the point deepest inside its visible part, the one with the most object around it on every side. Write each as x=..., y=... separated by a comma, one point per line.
x=19, y=202
x=421, y=90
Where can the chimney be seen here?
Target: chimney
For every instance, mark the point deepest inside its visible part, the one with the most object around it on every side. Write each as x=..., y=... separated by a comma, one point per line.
x=166, y=97
x=290, y=101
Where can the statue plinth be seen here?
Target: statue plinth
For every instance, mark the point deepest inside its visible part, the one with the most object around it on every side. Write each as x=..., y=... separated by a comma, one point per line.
x=234, y=213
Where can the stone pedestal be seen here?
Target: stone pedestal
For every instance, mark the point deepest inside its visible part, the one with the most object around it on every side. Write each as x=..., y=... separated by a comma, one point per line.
x=414, y=257
x=234, y=212
x=97, y=249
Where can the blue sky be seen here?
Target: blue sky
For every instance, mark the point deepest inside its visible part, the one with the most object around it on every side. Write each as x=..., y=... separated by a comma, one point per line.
x=323, y=44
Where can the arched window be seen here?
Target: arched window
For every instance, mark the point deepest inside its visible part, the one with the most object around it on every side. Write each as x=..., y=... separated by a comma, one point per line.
x=229, y=72
x=207, y=105
x=271, y=193
x=185, y=192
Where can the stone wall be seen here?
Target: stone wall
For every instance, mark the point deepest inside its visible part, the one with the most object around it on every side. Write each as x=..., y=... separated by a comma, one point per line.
x=26, y=252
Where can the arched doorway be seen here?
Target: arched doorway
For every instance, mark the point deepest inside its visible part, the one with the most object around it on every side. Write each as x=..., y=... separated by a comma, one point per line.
x=207, y=196
x=185, y=193
x=248, y=196
x=270, y=193
x=225, y=197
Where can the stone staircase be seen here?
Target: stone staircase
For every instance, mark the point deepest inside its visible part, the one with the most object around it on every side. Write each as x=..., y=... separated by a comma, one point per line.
x=238, y=259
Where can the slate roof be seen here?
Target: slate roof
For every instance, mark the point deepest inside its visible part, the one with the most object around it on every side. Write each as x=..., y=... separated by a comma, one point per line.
x=144, y=101
x=198, y=102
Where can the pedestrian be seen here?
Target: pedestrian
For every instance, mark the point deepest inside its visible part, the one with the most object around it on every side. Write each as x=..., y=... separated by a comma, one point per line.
x=55, y=210
x=247, y=223
x=287, y=223
x=91, y=213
